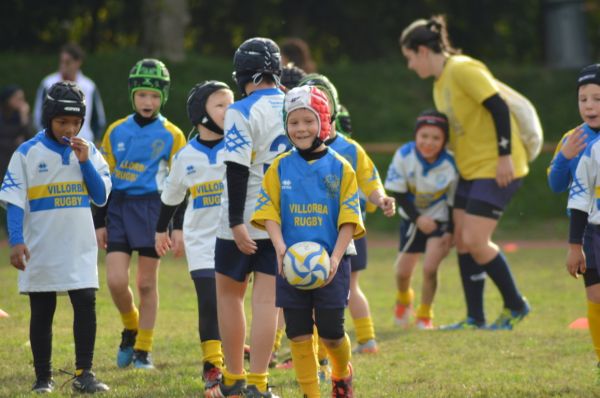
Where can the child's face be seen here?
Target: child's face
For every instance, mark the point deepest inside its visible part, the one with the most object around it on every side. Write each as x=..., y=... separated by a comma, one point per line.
x=217, y=104
x=65, y=126
x=430, y=141
x=589, y=104
x=303, y=127
x=418, y=61
x=146, y=102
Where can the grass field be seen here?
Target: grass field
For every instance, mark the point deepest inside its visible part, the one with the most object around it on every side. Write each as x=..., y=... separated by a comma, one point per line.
x=541, y=358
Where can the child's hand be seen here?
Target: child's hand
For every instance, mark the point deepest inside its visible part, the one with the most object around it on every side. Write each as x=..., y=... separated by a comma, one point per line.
x=575, y=260
x=280, y=250
x=19, y=255
x=81, y=149
x=178, y=245
x=101, y=238
x=426, y=224
x=334, y=263
x=243, y=240
x=388, y=205
x=574, y=143
x=505, y=171
x=162, y=243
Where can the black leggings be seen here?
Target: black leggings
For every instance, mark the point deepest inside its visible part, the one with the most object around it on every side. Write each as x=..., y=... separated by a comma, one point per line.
x=43, y=306
x=329, y=321
x=206, y=292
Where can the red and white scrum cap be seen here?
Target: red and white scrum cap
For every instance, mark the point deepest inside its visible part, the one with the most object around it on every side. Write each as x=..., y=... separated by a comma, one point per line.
x=313, y=99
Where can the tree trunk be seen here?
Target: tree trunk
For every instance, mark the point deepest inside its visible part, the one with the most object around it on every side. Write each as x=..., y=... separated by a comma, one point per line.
x=164, y=28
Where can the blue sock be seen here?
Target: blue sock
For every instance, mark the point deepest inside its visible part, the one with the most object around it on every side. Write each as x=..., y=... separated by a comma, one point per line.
x=499, y=272
x=473, y=280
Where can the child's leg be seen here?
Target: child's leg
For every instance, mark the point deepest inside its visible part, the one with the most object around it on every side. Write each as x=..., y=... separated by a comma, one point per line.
x=280, y=330
x=208, y=324
x=360, y=312
x=117, y=276
x=147, y=285
x=42, y=307
x=593, y=296
x=84, y=327
x=330, y=324
x=298, y=323
x=434, y=254
x=405, y=264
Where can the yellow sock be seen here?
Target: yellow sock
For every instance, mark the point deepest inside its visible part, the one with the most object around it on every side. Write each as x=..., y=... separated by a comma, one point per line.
x=278, y=337
x=594, y=322
x=406, y=297
x=305, y=365
x=143, y=340
x=425, y=311
x=321, y=350
x=365, y=330
x=131, y=319
x=78, y=372
x=260, y=380
x=340, y=358
x=211, y=352
x=229, y=379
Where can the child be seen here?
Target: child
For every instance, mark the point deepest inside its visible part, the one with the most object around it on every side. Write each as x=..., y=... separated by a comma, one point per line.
x=313, y=174
x=199, y=168
x=138, y=149
x=47, y=189
x=372, y=196
x=423, y=176
x=253, y=138
x=583, y=196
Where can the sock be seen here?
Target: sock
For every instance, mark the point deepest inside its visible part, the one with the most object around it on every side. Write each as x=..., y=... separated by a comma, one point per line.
x=319, y=346
x=260, y=380
x=211, y=352
x=340, y=358
x=229, y=379
x=78, y=372
x=499, y=272
x=143, y=340
x=424, y=311
x=131, y=319
x=278, y=337
x=305, y=366
x=473, y=280
x=364, y=329
x=594, y=322
x=406, y=297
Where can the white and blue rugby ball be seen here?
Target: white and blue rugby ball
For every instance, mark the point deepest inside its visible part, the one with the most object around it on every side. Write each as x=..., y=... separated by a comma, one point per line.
x=306, y=265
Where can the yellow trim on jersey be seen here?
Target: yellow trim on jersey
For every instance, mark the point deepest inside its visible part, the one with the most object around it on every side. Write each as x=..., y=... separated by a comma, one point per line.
x=57, y=189
x=268, y=203
x=178, y=139
x=559, y=147
x=367, y=177
x=424, y=199
x=348, y=204
x=106, y=147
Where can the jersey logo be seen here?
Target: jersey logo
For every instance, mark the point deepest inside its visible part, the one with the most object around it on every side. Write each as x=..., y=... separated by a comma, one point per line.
x=42, y=167
x=286, y=184
x=190, y=169
x=10, y=182
x=157, y=148
x=332, y=184
x=353, y=203
x=120, y=147
x=234, y=140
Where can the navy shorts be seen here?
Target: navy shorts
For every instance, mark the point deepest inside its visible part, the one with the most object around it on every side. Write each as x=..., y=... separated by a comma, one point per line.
x=230, y=261
x=359, y=262
x=413, y=240
x=483, y=197
x=334, y=295
x=131, y=223
x=591, y=249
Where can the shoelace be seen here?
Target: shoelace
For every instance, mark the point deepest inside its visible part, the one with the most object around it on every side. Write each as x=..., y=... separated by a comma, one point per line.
x=73, y=377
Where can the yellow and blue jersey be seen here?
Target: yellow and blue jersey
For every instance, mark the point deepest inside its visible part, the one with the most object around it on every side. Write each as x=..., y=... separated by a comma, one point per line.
x=139, y=157
x=584, y=192
x=310, y=200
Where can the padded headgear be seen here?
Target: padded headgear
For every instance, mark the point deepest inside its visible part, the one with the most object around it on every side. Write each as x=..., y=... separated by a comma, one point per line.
x=63, y=98
x=315, y=100
x=323, y=83
x=432, y=117
x=149, y=74
x=196, y=104
x=255, y=58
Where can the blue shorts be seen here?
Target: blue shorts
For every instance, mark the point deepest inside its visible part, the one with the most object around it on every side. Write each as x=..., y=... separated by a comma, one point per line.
x=359, y=262
x=591, y=249
x=131, y=222
x=334, y=295
x=483, y=197
x=413, y=240
x=230, y=261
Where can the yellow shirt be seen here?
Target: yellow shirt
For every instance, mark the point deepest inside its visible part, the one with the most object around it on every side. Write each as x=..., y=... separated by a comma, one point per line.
x=459, y=92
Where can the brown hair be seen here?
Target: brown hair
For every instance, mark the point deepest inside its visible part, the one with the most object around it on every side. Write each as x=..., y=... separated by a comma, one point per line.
x=297, y=52
x=73, y=50
x=431, y=33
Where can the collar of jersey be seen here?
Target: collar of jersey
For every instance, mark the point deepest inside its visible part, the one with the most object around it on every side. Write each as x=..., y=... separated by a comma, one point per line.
x=429, y=166
x=210, y=152
x=63, y=150
x=266, y=91
x=590, y=133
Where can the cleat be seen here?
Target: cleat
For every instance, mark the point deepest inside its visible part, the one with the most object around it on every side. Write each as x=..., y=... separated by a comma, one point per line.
x=125, y=353
x=287, y=364
x=87, y=383
x=253, y=392
x=369, y=347
x=43, y=386
x=424, y=324
x=142, y=360
x=342, y=388
x=509, y=318
x=324, y=370
x=466, y=324
x=211, y=375
x=402, y=315
x=219, y=390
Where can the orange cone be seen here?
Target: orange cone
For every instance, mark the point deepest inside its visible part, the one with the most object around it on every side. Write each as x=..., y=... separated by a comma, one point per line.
x=579, y=323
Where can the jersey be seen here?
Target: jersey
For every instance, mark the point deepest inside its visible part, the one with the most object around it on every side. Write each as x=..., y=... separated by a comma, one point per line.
x=561, y=170
x=95, y=119
x=459, y=92
x=367, y=175
x=584, y=193
x=139, y=157
x=310, y=200
x=45, y=180
x=198, y=170
x=430, y=186
x=254, y=136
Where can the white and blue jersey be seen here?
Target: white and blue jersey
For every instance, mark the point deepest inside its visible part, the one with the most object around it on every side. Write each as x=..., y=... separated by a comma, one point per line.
x=254, y=136
x=430, y=186
x=48, y=193
x=199, y=170
x=139, y=156
x=584, y=192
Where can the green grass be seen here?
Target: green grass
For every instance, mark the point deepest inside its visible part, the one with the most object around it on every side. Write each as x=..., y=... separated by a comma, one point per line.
x=541, y=358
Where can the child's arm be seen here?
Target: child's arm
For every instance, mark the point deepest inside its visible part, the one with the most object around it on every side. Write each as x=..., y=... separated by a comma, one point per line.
x=173, y=202
x=274, y=230
x=346, y=232
x=19, y=253
x=559, y=172
x=370, y=183
x=384, y=202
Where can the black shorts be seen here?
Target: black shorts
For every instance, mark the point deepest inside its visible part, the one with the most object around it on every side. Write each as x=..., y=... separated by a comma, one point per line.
x=413, y=240
x=483, y=197
x=359, y=262
x=230, y=261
